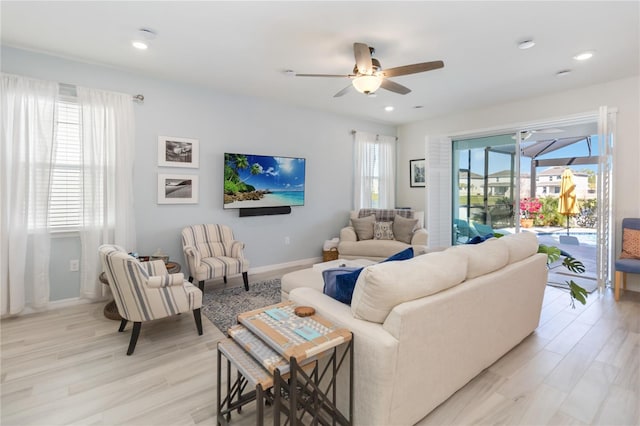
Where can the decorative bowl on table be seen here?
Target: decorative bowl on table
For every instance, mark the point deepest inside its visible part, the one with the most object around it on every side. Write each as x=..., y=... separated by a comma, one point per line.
x=164, y=258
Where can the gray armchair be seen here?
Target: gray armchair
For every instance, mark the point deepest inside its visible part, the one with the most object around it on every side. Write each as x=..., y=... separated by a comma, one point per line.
x=211, y=252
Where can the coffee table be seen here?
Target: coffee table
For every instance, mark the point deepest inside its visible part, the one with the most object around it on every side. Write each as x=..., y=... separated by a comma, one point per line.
x=281, y=360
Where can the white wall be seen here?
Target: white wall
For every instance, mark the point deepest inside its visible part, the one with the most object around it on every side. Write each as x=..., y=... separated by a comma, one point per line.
x=223, y=123
x=622, y=94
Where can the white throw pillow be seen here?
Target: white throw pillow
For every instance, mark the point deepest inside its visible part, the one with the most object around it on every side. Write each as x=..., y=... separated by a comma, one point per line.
x=381, y=287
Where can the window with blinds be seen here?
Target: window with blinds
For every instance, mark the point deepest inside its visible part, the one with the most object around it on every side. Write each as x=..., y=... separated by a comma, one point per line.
x=65, y=196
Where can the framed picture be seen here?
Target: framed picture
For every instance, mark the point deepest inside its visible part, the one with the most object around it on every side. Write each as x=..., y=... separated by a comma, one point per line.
x=177, y=189
x=178, y=152
x=417, y=175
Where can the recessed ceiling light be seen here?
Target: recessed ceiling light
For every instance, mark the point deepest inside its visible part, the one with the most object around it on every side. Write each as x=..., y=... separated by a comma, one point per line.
x=138, y=44
x=388, y=108
x=563, y=73
x=526, y=44
x=583, y=56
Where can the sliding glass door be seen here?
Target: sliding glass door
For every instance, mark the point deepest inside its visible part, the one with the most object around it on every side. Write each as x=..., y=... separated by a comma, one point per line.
x=484, y=186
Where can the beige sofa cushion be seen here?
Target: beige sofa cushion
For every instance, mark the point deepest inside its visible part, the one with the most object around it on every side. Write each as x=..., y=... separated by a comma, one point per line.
x=520, y=245
x=381, y=287
x=485, y=257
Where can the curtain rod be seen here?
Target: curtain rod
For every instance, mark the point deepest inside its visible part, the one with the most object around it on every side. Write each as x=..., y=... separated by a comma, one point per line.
x=353, y=132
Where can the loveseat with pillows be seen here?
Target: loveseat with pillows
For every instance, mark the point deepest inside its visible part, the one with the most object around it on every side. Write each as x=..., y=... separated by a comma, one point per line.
x=426, y=326
x=377, y=234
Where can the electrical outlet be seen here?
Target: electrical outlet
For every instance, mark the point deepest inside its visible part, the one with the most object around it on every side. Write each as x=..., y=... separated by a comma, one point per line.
x=286, y=241
x=74, y=265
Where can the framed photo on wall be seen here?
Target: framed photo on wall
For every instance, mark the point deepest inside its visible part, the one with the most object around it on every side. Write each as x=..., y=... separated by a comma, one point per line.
x=177, y=189
x=417, y=177
x=178, y=152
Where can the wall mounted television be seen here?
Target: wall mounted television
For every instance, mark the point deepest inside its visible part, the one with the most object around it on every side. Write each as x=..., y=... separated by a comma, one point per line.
x=256, y=181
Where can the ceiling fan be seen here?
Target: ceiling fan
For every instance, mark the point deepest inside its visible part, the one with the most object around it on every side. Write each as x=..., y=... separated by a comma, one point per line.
x=368, y=75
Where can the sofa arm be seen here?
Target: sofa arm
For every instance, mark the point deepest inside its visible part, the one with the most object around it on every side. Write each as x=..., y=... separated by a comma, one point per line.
x=234, y=249
x=192, y=255
x=168, y=280
x=419, y=237
x=348, y=234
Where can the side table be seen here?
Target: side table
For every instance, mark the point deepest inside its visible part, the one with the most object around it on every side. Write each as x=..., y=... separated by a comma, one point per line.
x=111, y=310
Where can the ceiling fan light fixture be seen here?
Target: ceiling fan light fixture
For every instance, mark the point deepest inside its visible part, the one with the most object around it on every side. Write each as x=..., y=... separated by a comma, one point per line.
x=526, y=44
x=367, y=83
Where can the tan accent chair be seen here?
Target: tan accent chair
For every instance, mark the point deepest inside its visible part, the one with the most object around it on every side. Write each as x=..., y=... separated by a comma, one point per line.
x=145, y=291
x=212, y=252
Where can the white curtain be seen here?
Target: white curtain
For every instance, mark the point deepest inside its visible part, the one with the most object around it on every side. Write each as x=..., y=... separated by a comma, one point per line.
x=108, y=137
x=374, y=166
x=25, y=164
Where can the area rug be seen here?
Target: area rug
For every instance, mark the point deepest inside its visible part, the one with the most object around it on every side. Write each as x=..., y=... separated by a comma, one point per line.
x=222, y=306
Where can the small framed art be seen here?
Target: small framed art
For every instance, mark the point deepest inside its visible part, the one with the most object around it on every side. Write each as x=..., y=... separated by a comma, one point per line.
x=177, y=189
x=417, y=176
x=178, y=152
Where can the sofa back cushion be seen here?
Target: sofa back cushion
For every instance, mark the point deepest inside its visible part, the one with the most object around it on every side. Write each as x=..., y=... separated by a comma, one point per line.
x=485, y=257
x=521, y=245
x=382, y=286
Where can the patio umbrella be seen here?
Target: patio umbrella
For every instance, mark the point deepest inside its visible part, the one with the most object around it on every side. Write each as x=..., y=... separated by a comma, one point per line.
x=568, y=205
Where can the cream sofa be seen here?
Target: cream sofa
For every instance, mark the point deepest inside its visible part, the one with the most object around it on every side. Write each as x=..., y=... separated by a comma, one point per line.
x=425, y=327
x=350, y=247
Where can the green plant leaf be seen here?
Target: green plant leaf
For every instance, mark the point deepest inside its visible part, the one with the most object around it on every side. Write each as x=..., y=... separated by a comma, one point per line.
x=553, y=253
x=574, y=265
x=578, y=293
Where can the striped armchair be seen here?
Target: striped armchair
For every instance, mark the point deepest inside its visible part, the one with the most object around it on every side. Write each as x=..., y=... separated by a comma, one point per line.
x=146, y=291
x=211, y=252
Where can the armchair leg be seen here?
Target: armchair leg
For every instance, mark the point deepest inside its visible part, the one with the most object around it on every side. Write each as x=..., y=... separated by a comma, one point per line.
x=201, y=286
x=197, y=316
x=190, y=279
x=134, y=337
x=245, y=278
x=224, y=279
x=123, y=324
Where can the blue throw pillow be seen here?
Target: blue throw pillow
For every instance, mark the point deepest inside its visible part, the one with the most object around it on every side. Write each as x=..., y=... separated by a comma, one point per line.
x=403, y=255
x=478, y=239
x=346, y=283
x=329, y=276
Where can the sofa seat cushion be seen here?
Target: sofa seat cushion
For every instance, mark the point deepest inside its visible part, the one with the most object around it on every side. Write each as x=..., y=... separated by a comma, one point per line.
x=383, y=286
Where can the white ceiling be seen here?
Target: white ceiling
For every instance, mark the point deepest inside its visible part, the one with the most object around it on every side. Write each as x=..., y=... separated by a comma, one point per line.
x=244, y=47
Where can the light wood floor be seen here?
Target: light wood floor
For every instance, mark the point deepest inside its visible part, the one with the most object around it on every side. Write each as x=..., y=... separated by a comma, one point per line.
x=69, y=366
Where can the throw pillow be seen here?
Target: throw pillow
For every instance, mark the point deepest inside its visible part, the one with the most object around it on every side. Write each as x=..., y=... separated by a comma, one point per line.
x=383, y=231
x=630, y=244
x=364, y=227
x=329, y=276
x=346, y=283
x=479, y=239
x=403, y=228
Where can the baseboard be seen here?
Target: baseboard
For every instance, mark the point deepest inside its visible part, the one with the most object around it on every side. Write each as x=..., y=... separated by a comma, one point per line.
x=53, y=305
x=302, y=262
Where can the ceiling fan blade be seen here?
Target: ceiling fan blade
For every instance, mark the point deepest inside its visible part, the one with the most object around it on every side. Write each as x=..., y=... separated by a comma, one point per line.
x=412, y=69
x=343, y=91
x=322, y=75
x=363, y=58
x=394, y=87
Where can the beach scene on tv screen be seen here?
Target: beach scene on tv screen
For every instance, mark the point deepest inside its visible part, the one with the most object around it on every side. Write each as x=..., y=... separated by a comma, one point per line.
x=263, y=181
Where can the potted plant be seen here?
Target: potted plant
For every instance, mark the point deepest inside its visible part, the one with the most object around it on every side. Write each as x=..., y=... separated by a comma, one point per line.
x=528, y=209
x=572, y=264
